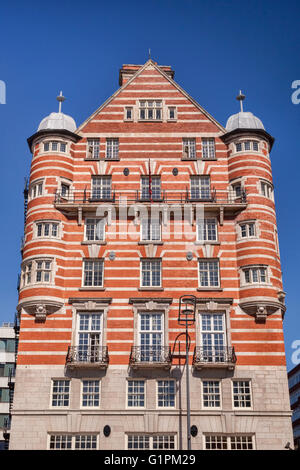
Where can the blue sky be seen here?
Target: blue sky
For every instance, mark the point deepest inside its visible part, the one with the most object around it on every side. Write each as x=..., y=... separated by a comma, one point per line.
x=216, y=48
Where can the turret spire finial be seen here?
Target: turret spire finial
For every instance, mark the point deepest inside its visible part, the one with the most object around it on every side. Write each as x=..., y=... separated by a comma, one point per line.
x=241, y=98
x=60, y=98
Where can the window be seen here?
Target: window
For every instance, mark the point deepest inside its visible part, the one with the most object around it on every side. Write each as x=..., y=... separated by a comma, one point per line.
x=221, y=442
x=89, y=333
x=211, y=394
x=128, y=114
x=43, y=270
x=200, y=187
x=247, y=145
x=36, y=189
x=101, y=187
x=255, y=275
x=241, y=394
x=95, y=229
x=189, y=148
x=73, y=442
x=60, y=393
x=112, y=149
x=136, y=393
x=212, y=336
x=9, y=367
x=166, y=392
x=47, y=229
x=140, y=441
x=4, y=395
x=151, y=336
x=27, y=274
x=237, y=190
x=266, y=189
x=207, y=229
x=93, y=149
x=90, y=393
x=151, y=273
x=247, y=229
x=93, y=273
x=151, y=187
x=55, y=146
x=150, y=229
x=172, y=113
x=7, y=345
x=209, y=273
x=65, y=190
x=208, y=149
x=150, y=110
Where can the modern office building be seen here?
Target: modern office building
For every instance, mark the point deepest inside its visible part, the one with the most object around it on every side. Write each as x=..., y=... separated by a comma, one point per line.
x=148, y=200
x=8, y=346
x=294, y=387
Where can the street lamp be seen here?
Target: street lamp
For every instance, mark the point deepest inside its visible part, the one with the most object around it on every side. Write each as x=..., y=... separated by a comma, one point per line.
x=187, y=317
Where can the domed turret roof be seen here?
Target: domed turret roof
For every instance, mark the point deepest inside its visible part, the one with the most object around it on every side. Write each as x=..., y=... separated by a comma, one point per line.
x=243, y=120
x=58, y=121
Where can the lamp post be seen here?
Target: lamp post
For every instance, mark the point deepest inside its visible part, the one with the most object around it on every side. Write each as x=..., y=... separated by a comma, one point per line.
x=186, y=317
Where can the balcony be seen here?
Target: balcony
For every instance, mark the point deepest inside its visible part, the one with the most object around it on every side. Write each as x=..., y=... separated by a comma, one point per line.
x=214, y=357
x=150, y=357
x=87, y=357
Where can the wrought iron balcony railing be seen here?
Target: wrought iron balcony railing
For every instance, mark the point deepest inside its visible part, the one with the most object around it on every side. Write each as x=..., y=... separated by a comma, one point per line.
x=87, y=356
x=211, y=196
x=150, y=356
x=220, y=356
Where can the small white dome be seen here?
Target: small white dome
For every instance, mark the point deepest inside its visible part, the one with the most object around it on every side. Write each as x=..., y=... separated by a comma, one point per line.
x=243, y=120
x=58, y=121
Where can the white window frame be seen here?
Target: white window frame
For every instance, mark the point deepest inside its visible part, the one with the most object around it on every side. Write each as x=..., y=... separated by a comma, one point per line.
x=189, y=149
x=215, y=381
x=72, y=438
x=209, y=285
x=87, y=260
x=33, y=272
x=147, y=109
x=257, y=268
x=151, y=284
x=247, y=223
x=243, y=143
x=127, y=108
x=208, y=148
x=151, y=332
x=51, y=149
x=53, y=380
x=224, y=438
x=90, y=407
x=155, y=187
x=200, y=189
x=89, y=332
x=92, y=144
x=150, y=223
x=132, y=407
x=102, y=187
x=150, y=438
x=206, y=221
x=96, y=221
x=174, y=108
x=51, y=223
x=36, y=189
x=112, y=148
x=266, y=189
x=241, y=395
x=158, y=406
x=218, y=336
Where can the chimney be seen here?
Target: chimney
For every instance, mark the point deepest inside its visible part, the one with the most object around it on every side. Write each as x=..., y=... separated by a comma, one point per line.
x=128, y=70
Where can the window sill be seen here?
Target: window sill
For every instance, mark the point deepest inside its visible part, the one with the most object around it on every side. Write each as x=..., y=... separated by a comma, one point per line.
x=207, y=243
x=112, y=159
x=150, y=120
x=216, y=289
x=91, y=288
x=209, y=159
x=149, y=242
x=95, y=242
x=150, y=288
x=92, y=159
x=186, y=159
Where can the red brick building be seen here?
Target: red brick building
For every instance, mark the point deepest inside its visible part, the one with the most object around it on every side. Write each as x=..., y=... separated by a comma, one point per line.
x=147, y=200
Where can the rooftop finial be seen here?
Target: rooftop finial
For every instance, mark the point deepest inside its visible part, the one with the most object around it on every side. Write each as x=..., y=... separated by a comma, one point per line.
x=60, y=98
x=241, y=98
x=149, y=53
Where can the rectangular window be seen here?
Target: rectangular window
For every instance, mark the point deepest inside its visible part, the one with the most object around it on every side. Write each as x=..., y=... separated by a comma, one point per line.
x=128, y=114
x=207, y=229
x=266, y=189
x=151, y=187
x=101, y=187
x=95, y=229
x=171, y=113
x=90, y=393
x=211, y=394
x=54, y=146
x=4, y=395
x=43, y=270
x=212, y=337
x=112, y=149
x=89, y=334
x=151, y=337
x=73, y=442
x=247, y=229
x=189, y=148
x=200, y=187
x=93, y=273
x=209, y=273
x=93, y=148
x=241, y=394
x=255, y=275
x=136, y=393
x=47, y=229
x=166, y=392
x=238, y=146
x=150, y=110
x=151, y=273
x=150, y=229
x=36, y=189
x=65, y=190
x=147, y=442
x=63, y=147
x=46, y=146
x=208, y=149
x=241, y=443
x=60, y=393
x=221, y=442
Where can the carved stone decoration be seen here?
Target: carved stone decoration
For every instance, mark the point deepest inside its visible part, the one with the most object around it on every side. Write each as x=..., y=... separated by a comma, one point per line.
x=151, y=305
x=261, y=314
x=262, y=309
x=211, y=305
x=40, y=313
x=40, y=308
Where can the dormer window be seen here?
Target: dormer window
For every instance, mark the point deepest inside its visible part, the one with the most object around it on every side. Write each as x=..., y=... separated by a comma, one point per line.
x=150, y=110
